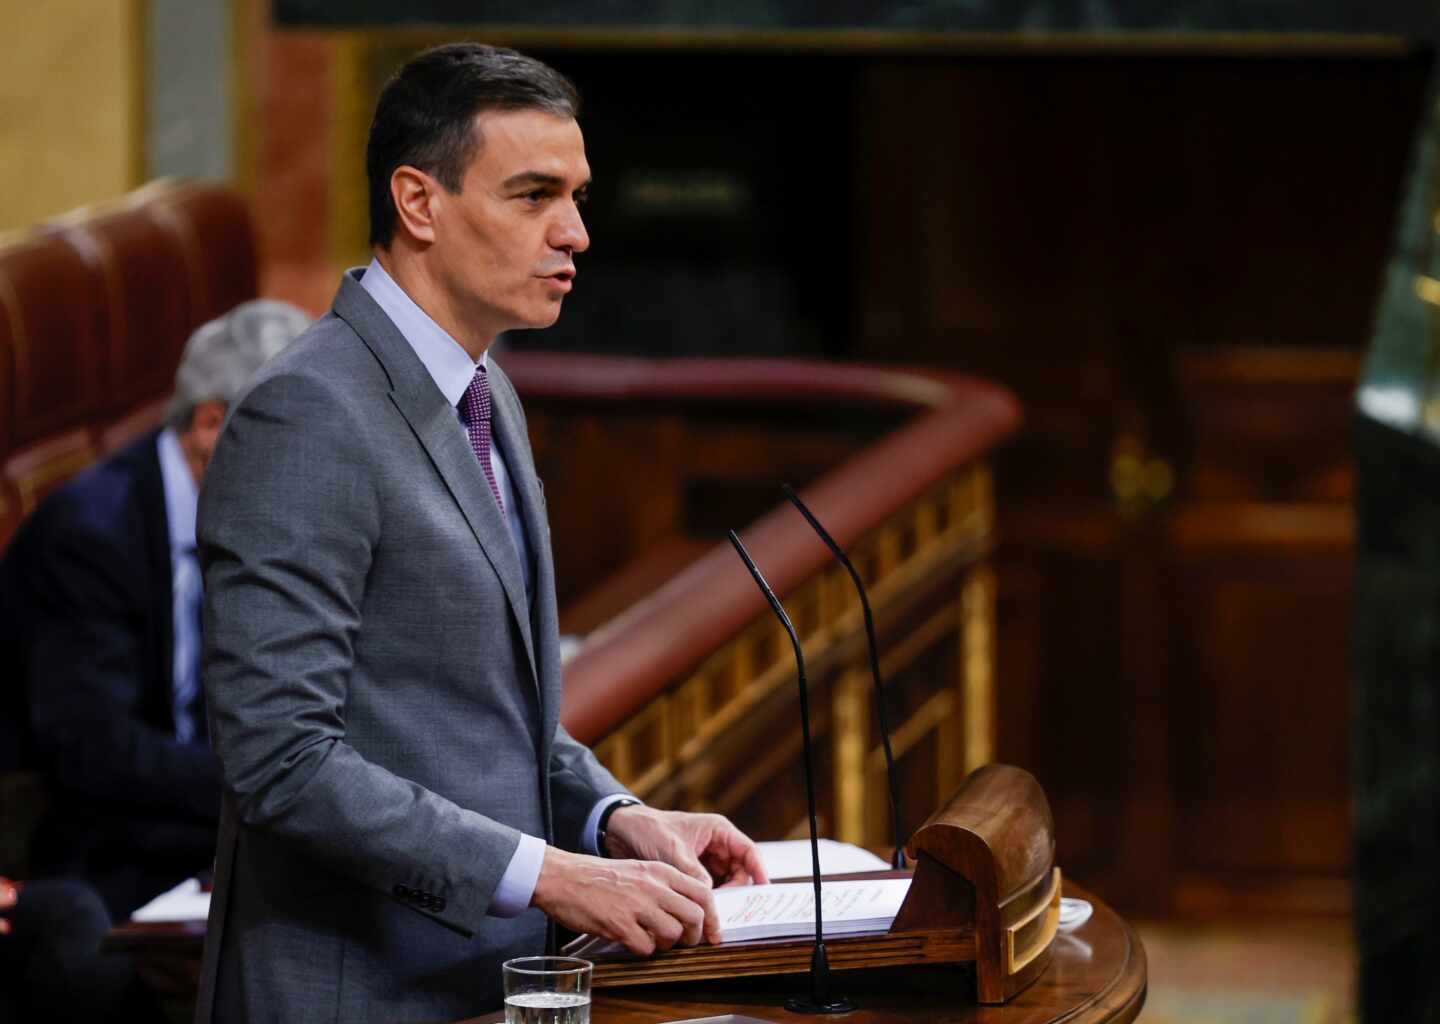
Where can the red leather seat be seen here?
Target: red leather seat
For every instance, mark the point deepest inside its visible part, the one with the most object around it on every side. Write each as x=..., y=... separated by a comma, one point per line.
x=53, y=320
x=95, y=308
x=216, y=237
x=140, y=271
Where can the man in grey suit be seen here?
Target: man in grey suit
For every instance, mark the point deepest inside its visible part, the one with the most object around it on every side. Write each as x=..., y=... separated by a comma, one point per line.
x=401, y=807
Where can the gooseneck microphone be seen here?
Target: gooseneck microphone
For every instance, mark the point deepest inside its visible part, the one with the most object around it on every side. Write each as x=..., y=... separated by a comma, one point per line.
x=819, y=1000
x=897, y=859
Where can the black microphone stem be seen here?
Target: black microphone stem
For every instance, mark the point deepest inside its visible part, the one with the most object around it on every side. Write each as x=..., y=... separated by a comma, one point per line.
x=897, y=859
x=819, y=1001
x=779, y=610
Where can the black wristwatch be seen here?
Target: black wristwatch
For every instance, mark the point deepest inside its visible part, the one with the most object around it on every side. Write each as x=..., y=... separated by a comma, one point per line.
x=604, y=826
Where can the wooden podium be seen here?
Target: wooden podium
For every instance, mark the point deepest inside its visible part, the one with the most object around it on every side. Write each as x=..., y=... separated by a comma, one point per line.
x=976, y=940
x=985, y=891
x=1096, y=974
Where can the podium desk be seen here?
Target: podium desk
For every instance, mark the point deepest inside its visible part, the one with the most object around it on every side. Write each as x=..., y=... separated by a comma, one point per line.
x=1096, y=973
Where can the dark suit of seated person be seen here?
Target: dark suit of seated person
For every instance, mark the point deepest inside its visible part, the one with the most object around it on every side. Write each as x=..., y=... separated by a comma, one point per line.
x=102, y=595
x=51, y=969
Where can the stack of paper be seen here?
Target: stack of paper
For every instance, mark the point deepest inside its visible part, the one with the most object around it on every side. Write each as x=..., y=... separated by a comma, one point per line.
x=752, y=912
x=186, y=902
x=787, y=910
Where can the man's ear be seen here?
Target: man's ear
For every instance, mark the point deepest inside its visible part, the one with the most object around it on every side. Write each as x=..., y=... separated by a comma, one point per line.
x=415, y=194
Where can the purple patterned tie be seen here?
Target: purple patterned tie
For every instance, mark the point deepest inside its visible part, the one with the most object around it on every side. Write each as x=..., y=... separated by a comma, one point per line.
x=475, y=409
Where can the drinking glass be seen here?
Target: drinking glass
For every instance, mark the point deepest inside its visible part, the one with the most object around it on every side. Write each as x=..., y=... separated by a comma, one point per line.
x=547, y=990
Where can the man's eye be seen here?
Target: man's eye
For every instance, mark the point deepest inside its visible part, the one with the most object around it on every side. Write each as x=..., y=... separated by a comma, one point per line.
x=535, y=196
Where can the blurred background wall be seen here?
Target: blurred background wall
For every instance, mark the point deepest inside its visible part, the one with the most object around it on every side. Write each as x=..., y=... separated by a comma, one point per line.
x=72, y=116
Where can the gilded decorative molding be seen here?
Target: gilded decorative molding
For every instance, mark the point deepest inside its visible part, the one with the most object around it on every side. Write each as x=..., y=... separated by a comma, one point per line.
x=977, y=673
x=672, y=744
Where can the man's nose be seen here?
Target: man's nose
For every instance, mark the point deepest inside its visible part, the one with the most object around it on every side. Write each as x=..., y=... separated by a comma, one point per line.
x=568, y=232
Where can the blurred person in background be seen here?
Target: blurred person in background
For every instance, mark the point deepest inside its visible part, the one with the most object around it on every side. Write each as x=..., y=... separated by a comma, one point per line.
x=51, y=967
x=101, y=594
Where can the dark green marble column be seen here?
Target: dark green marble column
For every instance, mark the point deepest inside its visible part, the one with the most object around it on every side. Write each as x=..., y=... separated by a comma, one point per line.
x=1396, y=751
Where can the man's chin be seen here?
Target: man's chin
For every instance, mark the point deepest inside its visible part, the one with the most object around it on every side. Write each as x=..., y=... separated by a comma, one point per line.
x=546, y=316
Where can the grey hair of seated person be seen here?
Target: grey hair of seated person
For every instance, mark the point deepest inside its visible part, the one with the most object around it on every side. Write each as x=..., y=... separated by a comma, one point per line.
x=222, y=355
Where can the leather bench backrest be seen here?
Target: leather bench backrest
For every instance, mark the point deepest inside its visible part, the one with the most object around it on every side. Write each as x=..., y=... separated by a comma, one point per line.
x=55, y=324
x=140, y=273
x=213, y=231
x=95, y=308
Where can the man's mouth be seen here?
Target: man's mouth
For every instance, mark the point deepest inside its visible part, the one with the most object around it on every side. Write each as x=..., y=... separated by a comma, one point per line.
x=563, y=278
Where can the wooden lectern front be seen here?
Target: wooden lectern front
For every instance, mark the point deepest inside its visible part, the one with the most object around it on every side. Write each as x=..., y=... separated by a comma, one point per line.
x=1096, y=974
x=985, y=892
x=976, y=939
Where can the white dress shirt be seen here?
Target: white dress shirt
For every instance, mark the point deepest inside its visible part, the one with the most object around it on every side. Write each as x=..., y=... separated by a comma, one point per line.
x=452, y=370
x=186, y=589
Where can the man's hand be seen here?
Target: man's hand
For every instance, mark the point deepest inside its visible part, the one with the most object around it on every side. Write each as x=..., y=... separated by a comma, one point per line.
x=648, y=906
x=704, y=846
x=9, y=895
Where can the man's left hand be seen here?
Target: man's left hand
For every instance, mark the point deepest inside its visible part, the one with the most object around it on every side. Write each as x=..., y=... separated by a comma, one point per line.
x=705, y=846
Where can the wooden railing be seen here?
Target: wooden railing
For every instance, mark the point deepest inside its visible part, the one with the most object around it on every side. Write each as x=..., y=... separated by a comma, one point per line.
x=689, y=694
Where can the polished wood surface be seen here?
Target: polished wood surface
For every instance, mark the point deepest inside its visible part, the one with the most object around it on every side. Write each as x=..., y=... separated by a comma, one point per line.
x=984, y=890
x=992, y=843
x=1096, y=973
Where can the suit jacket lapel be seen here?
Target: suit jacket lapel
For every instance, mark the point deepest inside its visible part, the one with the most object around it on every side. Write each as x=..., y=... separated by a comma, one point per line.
x=436, y=426
x=509, y=433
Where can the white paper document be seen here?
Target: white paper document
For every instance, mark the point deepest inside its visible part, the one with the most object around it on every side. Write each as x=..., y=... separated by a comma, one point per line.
x=787, y=910
x=750, y=912
x=186, y=902
x=790, y=858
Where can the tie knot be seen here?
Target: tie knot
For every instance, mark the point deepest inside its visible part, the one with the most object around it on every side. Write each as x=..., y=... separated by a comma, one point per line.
x=475, y=403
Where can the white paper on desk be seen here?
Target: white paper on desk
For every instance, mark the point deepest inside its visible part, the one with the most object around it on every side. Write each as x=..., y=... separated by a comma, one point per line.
x=790, y=858
x=787, y=910
x=185, y=902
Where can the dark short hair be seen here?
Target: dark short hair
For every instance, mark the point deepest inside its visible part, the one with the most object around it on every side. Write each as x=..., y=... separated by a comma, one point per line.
x=425, y=115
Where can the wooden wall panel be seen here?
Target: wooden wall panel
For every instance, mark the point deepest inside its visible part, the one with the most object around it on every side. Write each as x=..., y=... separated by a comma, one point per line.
x=1173, y=262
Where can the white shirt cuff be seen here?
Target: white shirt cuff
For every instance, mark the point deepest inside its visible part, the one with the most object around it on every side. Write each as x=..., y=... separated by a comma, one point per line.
x=517, y=884
x=590, y=838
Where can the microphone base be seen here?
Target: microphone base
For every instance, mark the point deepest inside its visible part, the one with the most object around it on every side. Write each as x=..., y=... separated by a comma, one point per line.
x=807, y=1004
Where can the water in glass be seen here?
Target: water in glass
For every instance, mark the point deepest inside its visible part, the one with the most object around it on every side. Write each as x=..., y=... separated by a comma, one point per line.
x=547, y=1008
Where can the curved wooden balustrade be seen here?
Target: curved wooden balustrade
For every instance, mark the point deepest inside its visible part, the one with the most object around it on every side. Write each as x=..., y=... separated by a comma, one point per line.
x=688, y=693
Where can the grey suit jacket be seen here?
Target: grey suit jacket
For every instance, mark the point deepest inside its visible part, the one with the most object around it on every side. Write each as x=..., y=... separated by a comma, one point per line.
x=383, y=698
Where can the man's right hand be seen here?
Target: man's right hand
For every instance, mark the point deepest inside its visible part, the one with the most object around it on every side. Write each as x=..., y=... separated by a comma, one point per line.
x=646, y=905
x=9, y=896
